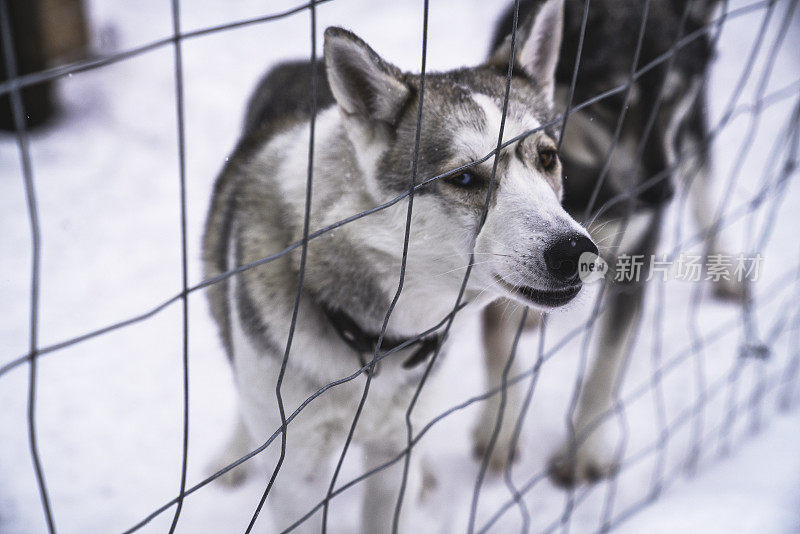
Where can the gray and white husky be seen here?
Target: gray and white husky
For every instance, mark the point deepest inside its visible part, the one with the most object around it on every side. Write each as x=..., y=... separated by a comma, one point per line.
x=363, y=156
x=663, y=133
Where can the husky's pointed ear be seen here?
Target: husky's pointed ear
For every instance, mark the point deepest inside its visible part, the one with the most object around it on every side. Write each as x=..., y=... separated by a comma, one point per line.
x=537, y=46
x=363, y=84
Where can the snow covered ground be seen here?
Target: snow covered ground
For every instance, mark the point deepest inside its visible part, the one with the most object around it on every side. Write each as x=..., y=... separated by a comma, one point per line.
x=109, y=409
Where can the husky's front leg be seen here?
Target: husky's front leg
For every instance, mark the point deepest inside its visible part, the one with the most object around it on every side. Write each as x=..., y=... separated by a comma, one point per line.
x=381, y=491
x=588, y=454
x=501, y=320
x=302, y=480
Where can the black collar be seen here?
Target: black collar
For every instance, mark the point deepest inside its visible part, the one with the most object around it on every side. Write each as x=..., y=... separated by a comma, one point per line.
x=364, y=344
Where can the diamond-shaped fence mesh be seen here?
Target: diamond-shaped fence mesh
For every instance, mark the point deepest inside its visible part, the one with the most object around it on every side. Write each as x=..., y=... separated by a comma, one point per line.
x=700, y=375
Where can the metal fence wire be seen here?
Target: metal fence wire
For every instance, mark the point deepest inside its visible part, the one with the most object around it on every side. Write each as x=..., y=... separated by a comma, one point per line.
x=761, y=379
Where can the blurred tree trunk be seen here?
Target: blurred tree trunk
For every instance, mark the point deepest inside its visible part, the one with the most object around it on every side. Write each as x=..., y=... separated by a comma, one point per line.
x=64, y=30
x=45, y=33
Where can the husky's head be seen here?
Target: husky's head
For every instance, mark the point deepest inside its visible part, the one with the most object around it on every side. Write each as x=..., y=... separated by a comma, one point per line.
x=527, y=247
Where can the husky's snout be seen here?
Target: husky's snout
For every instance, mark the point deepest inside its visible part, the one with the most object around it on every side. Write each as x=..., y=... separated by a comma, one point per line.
x=563, y=256
x=549, y=276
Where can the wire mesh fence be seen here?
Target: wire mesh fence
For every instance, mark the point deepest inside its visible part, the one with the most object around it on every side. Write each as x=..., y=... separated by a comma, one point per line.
x=688, y=395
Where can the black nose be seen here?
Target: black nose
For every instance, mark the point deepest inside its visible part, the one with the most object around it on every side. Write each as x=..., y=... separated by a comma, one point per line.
x=563, y=254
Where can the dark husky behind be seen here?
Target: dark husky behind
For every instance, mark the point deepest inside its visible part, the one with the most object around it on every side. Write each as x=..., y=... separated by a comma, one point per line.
x=619, y=156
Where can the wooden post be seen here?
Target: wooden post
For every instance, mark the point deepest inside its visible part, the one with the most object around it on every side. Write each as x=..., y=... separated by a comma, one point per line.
x=45, y=33
x=63, y=30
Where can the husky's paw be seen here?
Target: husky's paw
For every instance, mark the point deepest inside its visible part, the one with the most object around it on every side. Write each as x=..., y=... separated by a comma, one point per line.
x=429, y=484
x=501, y=452
x=731, y=290
x=569, y=468
x=231, y=478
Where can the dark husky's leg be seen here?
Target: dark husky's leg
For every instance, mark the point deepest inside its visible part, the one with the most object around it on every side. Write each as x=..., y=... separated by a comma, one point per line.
x=696, y=170
x=589, y=453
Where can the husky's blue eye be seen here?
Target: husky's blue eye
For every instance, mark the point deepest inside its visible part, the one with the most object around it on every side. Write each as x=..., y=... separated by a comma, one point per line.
x=464, y=179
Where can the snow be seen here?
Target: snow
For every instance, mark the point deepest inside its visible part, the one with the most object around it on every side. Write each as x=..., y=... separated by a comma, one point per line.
x=109, y=409
x=755, y=491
